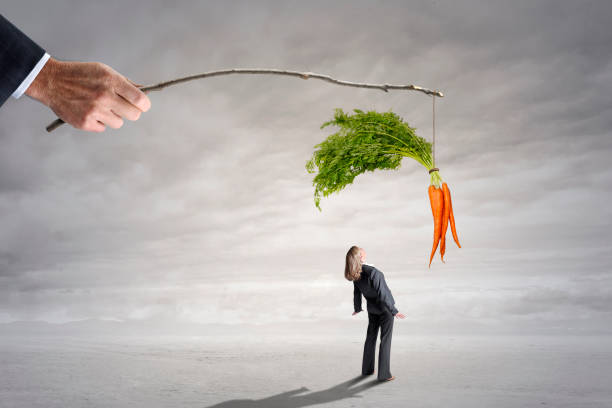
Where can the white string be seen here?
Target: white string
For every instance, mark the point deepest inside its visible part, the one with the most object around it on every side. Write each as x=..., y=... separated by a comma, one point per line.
x=433, y=119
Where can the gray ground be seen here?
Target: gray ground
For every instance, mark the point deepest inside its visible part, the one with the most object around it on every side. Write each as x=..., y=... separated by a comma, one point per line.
x=292, y=371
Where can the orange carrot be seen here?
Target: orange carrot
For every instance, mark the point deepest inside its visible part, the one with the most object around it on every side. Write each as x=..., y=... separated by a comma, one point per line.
x=436, y=198
x=452, y=216
x=445, y=217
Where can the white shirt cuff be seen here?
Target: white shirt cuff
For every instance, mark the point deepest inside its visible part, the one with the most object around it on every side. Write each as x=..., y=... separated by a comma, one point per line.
x=31, y=77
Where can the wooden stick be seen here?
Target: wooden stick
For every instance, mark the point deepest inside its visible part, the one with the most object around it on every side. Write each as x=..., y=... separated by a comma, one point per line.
x=304, y=75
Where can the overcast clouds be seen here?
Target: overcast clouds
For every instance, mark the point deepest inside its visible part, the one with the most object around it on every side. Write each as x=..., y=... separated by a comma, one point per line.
x=202, y=211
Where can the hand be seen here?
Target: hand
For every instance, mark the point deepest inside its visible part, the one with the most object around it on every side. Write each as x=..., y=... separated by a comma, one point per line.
x=400, y=316
x=88, y=95
x=354, y=313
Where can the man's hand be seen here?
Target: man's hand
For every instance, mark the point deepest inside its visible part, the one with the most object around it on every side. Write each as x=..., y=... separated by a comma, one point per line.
x=88, y=95
x=400, y=315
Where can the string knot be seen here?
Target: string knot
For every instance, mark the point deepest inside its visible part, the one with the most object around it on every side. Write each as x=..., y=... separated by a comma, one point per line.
x=434, y=169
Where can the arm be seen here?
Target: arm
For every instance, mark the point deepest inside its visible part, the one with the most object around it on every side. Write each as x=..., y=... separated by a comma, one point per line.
x=19, y=55
x=383, y=291
x=356, y=298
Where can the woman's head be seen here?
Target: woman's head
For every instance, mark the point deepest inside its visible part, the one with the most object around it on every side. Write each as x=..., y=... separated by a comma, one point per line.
x=354, y=259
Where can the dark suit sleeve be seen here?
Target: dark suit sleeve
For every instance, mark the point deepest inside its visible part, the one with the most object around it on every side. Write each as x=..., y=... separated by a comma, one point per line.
x=357, y=298
x=18, y=56
x=384, y=293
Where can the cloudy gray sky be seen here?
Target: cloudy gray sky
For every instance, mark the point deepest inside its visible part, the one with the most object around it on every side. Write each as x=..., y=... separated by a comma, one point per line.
x=202, y=211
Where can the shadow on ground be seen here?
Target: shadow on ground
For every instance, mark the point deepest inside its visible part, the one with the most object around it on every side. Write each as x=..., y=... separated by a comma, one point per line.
x=301, y=397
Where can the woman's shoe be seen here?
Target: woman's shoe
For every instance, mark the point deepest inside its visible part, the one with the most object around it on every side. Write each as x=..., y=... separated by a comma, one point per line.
x=389, y=379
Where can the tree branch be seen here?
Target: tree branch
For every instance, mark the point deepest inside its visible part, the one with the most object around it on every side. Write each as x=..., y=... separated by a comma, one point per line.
x=304, y=75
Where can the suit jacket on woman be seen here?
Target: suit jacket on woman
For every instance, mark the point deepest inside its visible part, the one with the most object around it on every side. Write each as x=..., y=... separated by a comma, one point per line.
x=374, y=288
x=18, y=56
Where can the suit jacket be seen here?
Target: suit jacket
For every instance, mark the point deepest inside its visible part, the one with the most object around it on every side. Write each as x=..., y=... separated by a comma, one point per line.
x=374, y=288
x=18, y=56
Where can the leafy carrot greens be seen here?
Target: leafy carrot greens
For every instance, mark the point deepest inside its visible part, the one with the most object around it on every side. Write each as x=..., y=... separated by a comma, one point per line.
x=365, y=141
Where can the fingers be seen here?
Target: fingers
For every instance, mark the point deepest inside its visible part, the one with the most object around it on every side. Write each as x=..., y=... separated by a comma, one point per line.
x=125, y=109
x=110, y=119
x=132, y=94
x=98, y=127
x=112, y=115
x=94, y=126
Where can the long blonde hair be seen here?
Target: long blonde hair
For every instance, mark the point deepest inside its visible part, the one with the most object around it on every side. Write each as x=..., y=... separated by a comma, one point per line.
x=352, y=269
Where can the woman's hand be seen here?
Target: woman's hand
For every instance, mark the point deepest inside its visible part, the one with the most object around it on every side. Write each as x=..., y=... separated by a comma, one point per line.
x=354, y=313
x=400, y=316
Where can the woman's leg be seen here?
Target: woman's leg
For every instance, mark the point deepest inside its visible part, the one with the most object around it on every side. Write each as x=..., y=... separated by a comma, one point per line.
x=384, y=353
x=369, y=348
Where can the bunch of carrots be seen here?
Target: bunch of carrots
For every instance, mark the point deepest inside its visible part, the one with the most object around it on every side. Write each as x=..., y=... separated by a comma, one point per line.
x=368, y=141
x=442, y=211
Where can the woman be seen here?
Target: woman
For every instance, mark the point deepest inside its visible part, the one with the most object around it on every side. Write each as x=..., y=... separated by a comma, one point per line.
x=370, y=282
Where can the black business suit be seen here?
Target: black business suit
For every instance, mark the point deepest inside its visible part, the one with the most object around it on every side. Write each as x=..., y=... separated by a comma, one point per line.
x=381, y=312
x=18, y=56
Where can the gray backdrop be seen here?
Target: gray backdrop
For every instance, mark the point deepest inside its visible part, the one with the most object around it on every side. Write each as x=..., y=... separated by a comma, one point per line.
x=202, y=211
